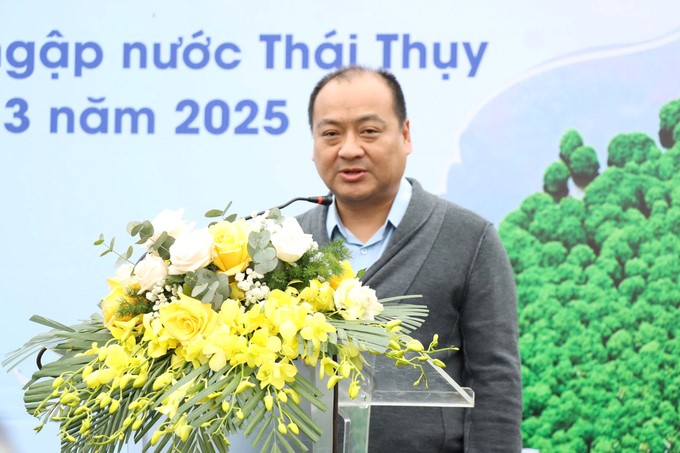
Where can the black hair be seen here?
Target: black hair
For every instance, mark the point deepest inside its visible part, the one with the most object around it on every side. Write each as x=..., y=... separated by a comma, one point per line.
x=346, y=73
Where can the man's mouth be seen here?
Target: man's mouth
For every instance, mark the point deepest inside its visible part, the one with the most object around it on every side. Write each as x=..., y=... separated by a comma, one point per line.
x=352, y=174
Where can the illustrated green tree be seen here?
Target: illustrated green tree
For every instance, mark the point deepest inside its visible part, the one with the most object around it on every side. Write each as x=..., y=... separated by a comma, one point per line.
x=669, y=131
x=584, y=165
x=569, y=142
x=555, y=180
x=635, y=147
x=599, y=298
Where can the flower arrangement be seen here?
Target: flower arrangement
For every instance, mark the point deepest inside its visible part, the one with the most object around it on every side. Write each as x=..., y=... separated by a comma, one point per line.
x=204, y=336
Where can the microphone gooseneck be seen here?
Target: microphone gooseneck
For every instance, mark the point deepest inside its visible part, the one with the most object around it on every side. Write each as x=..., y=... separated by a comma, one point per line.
x=324, y=200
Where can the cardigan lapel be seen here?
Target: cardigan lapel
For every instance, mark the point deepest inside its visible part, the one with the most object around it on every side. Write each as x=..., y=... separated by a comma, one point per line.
x=406, y=250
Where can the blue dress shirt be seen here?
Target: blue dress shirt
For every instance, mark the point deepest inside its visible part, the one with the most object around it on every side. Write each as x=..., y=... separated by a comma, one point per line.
x=363, y=255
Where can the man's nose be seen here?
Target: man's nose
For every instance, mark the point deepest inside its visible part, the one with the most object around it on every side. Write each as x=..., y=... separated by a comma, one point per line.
x=351, y=147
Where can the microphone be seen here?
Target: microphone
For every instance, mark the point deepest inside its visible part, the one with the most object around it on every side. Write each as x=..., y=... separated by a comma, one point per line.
x=325, y=200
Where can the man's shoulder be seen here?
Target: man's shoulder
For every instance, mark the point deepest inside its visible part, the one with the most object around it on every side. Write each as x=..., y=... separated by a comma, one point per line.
x=314, y=215
x=452, y=212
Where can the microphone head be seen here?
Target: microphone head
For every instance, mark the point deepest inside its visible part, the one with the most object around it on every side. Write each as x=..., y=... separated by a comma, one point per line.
x=326, y=200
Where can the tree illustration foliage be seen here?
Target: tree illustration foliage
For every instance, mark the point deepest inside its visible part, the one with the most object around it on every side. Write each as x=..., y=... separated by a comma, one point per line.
x=599, y=300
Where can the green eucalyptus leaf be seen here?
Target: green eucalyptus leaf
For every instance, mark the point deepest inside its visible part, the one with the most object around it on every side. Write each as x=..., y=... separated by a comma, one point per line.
x=275, y=214
x=254, y=239
x=264, y=255
x=210, y=292
x=266, y=267
x=190, y=279
x=217, y=302
x=100, y=240
x=159, y=240
x=132, y=225
x=214, y=213
x=199, y=289
x=146, y=232
x=163, y=247
x=259, y=239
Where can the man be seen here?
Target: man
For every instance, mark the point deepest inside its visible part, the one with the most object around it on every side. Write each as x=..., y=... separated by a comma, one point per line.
x=412, y=242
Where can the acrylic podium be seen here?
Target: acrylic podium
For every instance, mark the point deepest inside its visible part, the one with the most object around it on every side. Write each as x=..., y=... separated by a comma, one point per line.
x=386, y=385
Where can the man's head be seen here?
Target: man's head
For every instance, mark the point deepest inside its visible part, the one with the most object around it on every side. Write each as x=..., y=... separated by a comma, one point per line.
x=349, y=71
x=361, y=135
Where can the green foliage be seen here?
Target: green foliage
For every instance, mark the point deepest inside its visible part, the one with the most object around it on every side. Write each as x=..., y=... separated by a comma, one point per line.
x=569, y=142
x=207, y=286
x=109, y=248
x=669, y=118
x=145, y=232
x=221, y=213
x=262, y=251
x=577, y=161
x=676, y=133
x=555, y=180
x=133, y=304
x=635, y=147
x=310, y=266
x=584, y=165
x=599, y=302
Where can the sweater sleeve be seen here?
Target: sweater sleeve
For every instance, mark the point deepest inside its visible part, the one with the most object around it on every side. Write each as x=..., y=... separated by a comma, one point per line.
x=490, y=341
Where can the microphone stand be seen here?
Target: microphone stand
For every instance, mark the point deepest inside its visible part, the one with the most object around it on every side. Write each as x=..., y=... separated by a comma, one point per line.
x=325, y=200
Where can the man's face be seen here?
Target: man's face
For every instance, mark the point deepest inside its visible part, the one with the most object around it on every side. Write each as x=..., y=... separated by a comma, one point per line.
x=360, y=148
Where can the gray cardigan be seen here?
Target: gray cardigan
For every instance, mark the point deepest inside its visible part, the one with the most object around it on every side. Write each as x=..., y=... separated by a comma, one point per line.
x=455, y=260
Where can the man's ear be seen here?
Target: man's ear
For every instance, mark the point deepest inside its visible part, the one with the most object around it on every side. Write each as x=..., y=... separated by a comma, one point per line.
x=406, y=136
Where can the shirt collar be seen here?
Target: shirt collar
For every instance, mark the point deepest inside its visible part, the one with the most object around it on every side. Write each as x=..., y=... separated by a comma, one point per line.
x=394, y=217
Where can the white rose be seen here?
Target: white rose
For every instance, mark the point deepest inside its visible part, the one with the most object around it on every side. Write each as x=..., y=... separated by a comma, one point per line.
x=290, y=241
x=171, y=222
x=372, y=307
x=151, y=270
x=191, y=251
x=355, y=301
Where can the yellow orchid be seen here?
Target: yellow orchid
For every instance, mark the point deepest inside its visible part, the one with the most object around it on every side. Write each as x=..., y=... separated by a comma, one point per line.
x=317, y=329
x=276, y=374
x=319, y=296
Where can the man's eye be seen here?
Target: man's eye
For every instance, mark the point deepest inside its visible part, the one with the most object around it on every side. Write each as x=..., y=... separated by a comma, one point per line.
x=329, y=134
x=370, y=131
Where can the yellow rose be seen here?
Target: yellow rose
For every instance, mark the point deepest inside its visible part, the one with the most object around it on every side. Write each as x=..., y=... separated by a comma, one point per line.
x=112, y=302
x=231, y=245
x=187, y=317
